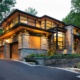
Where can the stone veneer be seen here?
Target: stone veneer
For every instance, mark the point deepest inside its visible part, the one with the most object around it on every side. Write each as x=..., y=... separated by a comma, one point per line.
x=69, y=39
x=44, y=43
x=24, y=49
x=7, y=50
x=24, y=52
x=67, y=62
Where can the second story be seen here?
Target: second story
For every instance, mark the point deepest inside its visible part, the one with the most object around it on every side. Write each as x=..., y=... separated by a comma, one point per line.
x=18, y=17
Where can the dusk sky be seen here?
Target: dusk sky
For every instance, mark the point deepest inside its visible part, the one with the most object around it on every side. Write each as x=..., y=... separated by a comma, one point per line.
x=55, y=8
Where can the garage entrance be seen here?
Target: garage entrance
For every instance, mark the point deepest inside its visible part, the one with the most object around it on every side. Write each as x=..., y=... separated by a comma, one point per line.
x=14, y=54
x=1, y=52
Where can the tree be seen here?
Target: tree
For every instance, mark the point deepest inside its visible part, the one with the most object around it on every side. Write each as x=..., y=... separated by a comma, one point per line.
x=5, y=7
x=74, y=16
x=31, y=11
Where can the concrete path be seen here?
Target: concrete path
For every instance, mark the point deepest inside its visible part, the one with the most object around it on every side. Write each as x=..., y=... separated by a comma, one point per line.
x=14, y=70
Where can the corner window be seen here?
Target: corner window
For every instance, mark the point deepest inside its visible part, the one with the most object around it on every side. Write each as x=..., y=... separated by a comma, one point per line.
x=59, y=39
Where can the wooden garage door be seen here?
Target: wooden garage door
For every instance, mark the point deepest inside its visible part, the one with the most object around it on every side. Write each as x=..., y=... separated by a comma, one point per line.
x=14, y=51
x=2, y=52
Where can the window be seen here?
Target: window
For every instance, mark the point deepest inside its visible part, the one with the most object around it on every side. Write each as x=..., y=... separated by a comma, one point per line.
x=77, y=32
x=38, y=24
x=59, y=40
x=31, y=22
x=43, y=24
x=23, y=19
x=34, y=42
x=48, y=24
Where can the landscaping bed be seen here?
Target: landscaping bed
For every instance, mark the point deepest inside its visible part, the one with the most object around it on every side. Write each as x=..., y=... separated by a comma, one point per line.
x=57, y=60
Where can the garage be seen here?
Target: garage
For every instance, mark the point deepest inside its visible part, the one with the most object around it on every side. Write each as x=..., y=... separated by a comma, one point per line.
x=1, y=52
x=14, y=54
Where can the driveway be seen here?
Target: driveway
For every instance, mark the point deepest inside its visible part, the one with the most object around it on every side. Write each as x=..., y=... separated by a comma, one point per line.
x=14, y=70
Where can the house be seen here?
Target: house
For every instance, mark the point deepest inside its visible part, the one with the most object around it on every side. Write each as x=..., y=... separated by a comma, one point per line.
x=23, y=34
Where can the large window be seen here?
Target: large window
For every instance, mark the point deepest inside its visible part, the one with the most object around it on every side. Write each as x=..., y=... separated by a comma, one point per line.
x=76, y=32
x=50, y=24
x=43, y=24
x=31, y=22
x=38, y=24
x=23, y=19
x=34, y=42
x=59, y=39
x=10, y=24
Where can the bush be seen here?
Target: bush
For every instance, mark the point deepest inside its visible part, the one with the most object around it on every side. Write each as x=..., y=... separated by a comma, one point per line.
x=55, y=56
x=65, y=56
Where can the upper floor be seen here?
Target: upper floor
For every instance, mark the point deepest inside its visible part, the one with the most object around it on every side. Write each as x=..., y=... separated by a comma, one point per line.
x=20, y=17
x=45, y=22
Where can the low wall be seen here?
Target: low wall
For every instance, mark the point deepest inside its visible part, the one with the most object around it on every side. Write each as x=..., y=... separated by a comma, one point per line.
x=58, y=62
x=24, y=52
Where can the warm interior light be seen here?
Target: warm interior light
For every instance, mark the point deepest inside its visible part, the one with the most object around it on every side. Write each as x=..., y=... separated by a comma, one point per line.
x=7, y=40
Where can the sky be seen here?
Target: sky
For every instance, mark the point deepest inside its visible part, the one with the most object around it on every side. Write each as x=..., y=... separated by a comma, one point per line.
x=57, y=9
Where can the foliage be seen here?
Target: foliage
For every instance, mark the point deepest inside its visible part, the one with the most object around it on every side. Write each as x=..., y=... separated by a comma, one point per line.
x=31, y=11
x=61, y=56
x=5, y=7
x=36, y=55
x=1, y=31
x=55, y=56
x=52, y=47
x=74, y=15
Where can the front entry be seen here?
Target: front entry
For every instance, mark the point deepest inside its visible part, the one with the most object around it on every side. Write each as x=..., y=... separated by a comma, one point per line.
x=14, y=54
x=1, y=52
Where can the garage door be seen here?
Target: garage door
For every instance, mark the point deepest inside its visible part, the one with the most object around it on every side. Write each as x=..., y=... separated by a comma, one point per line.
x=14, y=51
x=2, y=52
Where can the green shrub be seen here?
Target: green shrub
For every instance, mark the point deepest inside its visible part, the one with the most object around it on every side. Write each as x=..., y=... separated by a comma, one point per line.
x=65, y=56
x=55, y=56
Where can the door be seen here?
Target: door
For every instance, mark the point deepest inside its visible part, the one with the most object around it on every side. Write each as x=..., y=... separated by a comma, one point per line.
x=14, y=51
x=1, y=52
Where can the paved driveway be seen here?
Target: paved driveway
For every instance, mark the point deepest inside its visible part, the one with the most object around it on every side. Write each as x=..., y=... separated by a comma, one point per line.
x=13, y=70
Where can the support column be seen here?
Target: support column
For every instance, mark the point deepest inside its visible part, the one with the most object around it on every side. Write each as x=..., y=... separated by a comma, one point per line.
x=69, y=39
x=44, y=43
x=23, y=41
x=7, y=50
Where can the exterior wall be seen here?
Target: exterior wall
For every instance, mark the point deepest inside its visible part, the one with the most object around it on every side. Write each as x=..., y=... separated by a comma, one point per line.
x=69, y=39
x=23, y=43
x=24, y=48
x=71, y=62
x=24, y=52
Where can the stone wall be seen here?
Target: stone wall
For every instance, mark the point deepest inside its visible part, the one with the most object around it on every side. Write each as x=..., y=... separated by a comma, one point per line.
x=24, y=52
x=58, y=62
x=24, y=45
x=69, y=39
x=44, y=43
x=7, y=50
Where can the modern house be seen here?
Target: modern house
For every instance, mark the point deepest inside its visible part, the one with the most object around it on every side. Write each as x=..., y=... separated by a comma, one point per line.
x=24, y=34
